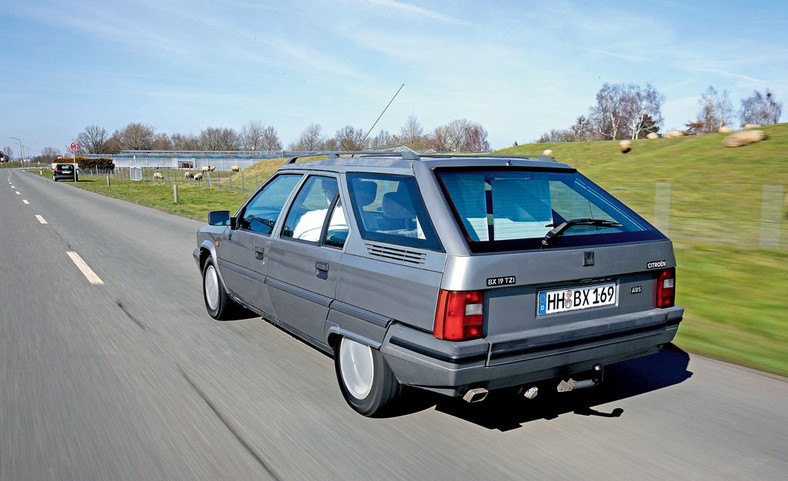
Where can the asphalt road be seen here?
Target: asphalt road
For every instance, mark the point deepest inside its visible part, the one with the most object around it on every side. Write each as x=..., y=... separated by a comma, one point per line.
x=121, y=375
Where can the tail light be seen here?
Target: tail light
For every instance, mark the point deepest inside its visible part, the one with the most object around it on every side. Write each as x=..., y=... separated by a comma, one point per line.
x=666, y=288
x=459, y=315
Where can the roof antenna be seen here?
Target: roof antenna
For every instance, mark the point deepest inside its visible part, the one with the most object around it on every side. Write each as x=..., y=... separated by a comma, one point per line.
x=379, y=116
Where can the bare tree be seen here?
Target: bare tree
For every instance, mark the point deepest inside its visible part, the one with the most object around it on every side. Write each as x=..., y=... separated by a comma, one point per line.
x=582, y=130
x=92, y=140
x=252, y=135
x=411, y=134
x=644, y=110
x=185, y=142
x=761, y=109
x=609, y=113
x=715, y=111
x=271, y=139
x=48, y=154
x=556, y=135
x=383, y=139
x=475, y=138
x=349, y=138
x=135, y=136
x=7, y=153
x=162, y=142
x=219, y=139
x=460, y=136
x=311, y=139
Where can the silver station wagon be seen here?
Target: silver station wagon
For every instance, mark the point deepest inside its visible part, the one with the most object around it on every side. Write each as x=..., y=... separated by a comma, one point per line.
x=454, y=274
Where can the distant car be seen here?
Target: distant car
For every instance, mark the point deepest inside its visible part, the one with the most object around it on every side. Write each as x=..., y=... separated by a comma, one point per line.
x=453, y=274
x=65, y=171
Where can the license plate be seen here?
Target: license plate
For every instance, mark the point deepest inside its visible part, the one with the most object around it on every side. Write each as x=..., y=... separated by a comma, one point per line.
x=576, y=298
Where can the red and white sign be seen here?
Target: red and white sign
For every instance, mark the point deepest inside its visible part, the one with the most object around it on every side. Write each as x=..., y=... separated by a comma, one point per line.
x=73, y=146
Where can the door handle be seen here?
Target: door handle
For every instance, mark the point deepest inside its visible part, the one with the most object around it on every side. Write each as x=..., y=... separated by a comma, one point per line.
x=259, y=253
x=321, y=269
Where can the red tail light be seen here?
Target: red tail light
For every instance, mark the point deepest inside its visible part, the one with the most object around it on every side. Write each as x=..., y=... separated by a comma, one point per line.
x=666, y=288
x=459, y=315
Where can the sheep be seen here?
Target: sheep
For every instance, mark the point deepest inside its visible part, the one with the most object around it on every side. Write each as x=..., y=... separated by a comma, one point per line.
x=548, y=152
x=188, y=175
x=157, y=176
x=674, y=134
x=751, y=126
x=198, y=176
x=743, y=137
x=725, y=129
x=211, y=168
x=205, y=168
x=652, y=135
x=235, y=168
x=624, y=144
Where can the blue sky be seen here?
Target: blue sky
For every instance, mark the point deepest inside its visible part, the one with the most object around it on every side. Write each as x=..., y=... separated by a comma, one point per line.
x=519, y=68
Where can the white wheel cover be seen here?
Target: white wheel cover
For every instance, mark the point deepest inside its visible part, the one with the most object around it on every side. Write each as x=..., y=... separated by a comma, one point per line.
x=212, y=288
x=356, y=365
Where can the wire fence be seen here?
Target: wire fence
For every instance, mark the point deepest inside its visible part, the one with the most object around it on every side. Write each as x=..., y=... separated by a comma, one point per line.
x=719, y=213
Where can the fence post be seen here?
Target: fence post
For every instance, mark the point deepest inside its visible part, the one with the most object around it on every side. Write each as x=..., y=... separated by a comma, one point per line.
x=662, y=207
x=771, y=215
x=242, y=181
x=175, y=191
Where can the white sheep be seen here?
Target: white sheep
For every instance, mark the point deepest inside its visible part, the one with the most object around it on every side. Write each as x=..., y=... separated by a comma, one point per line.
x=235, y=168
x=674, y=134
x=211, y=168
x=751, y=126
x=188, y=175
x=548, y=152
x=625, y=146
x=198, y=176
x=205, y=168
x=725, y=129
x=157, y=176
x=652, y=135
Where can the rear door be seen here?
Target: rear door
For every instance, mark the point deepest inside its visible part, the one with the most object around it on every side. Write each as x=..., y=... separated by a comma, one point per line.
x=304, y=260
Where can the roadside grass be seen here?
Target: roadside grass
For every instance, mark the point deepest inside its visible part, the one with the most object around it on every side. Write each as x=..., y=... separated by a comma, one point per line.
x=734, y=293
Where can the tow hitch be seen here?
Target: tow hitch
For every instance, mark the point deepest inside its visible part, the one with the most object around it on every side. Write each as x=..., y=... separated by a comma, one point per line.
x=597, y=377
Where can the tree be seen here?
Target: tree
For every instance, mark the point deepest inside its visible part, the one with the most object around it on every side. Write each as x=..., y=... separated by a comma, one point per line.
x=92, y=140
x=135, y=136
x=383, y=139
x=411, y=134
x=252, y=135
x=270, y=140
x=582, y=130
x=310, y=140
x=7, y=153
x=761, y=109
x=219, y=139
x=715, y=111
x=557, y=136
x=349, y=138
x=460, y=136
x=162, y=142
x=621, y=111
x=184, y=142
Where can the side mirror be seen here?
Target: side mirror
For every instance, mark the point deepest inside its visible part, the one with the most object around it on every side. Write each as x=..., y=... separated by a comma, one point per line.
x=219, y=217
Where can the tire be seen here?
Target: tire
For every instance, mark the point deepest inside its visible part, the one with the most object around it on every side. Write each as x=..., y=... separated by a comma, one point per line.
x=217, y=301
x=367, y=383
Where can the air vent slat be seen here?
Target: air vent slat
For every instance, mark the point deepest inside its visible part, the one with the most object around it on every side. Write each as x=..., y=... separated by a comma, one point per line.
x=395, y=254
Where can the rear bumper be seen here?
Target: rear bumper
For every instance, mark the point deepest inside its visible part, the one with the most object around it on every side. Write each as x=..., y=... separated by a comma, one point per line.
x=418, y=359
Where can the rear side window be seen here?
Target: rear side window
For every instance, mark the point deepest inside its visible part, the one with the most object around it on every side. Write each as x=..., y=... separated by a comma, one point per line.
x=263, y=210
x=310, y=209
x=389, y=208
x=515, y=209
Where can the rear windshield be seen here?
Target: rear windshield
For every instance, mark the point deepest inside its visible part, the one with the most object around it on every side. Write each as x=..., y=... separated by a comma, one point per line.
x=516, y=209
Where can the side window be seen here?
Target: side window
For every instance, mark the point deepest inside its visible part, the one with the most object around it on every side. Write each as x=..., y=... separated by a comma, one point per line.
x=389, y=208
x=310, y=209
x=263, y=210
x=337, y=228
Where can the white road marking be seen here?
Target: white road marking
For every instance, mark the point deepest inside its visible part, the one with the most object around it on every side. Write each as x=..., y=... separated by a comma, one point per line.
x=26, y=202
x=41, y=219
x=18, y=193
x=86, y=270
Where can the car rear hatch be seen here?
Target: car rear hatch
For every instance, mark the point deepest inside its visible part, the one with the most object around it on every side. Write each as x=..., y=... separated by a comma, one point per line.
x=557, y=267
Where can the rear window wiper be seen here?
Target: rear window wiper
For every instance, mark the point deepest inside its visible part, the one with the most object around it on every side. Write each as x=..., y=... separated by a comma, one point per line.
x=558, y=230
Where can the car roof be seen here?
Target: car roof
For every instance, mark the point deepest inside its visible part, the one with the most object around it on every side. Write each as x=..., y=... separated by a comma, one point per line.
x=404, y=162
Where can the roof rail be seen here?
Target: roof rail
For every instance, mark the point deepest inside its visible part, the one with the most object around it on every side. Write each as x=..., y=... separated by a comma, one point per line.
x=407, y=155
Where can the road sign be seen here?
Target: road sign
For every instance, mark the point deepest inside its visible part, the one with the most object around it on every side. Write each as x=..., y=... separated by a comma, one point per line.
x=73, y=146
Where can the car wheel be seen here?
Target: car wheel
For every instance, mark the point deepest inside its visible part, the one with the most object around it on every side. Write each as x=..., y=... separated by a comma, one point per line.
x=367, y=383
x=217, y=301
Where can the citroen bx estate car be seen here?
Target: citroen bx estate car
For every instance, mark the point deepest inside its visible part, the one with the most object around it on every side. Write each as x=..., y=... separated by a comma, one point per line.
x=458, y=275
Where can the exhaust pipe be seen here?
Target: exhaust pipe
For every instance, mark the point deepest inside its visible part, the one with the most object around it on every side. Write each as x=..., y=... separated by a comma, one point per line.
x=475, y=395
x=596, y=378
